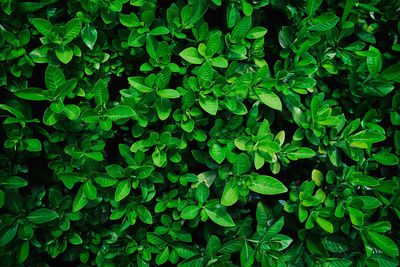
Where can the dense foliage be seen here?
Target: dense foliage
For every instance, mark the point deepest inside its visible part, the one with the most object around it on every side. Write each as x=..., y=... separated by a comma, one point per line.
x=200, y=133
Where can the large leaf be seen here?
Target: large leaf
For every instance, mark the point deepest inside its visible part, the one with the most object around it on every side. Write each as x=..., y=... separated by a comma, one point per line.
x=267, y=185
x=192, y=55
x=270, y=99
x=384, y=243
x=324, y=22
x=121, y=112
x=123, y=189
x=53, y=77
x=100, y=92
x=42, y=215
x=231, y=193
x=241, y=29
x=241, y=165
x=220, y=216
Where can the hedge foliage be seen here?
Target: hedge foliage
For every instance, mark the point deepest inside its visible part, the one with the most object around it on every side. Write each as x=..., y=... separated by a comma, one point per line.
x=200, y=133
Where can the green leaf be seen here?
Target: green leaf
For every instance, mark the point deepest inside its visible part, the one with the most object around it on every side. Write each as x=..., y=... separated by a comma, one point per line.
x=121, y=112
x=42, y=215
x=70, y=179
x=384, y=243
x=72, y=29
x=190, y=212
x=386, y=158
x=269, y=98
x=169, y=93
x=66, y=88
x=7, y=234
x=324, y=22
x=90, y=190
x=159, y=157
x=256, y=32
x=205, y=74
x=365, y=138
x=104, y=180
x=43, y=26
x=151, y=46
x=217, y=153
x=219, y=62
x=75, y=239
x=392, y=73
x=33, y=145
x=129, y=20
x=241, y=29
x=89, y=36
x=13, y=182
x=33, y=93
x=160, y=30
x=72, y=111
x=220, y=216
x=162, y=256
x=202, y=193
x=100, y=93
x=123, y=190
x=192, y=55
x=241, y=165
x=209, y=104
x=163, y=107
x=64, y=54
x=325, y=224
x=80, y=200
x=231, y=193
x=301, y=153
x=374, y=63
x=23, y=252
x=144, y=214
x=53, y=77
x=139, y=84
x=267, y=185
x=312, y=6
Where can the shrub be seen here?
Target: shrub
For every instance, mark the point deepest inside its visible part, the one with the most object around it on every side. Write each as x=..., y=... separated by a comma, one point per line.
x=199, y=133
